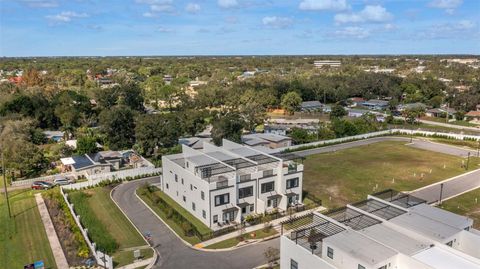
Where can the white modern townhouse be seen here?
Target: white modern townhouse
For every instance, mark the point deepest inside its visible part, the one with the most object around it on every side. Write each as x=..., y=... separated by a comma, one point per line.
x=388, y=230
x=222, y=185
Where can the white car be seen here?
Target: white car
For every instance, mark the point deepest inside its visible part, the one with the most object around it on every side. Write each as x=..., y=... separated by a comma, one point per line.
x=62, y=181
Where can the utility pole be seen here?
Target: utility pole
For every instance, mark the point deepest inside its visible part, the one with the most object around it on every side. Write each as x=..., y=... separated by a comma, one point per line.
x=468, y=160
x=5, y=185
x=441, y=193
x=478, y=148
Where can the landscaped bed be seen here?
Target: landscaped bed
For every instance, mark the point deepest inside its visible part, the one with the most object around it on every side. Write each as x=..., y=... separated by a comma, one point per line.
x=350, y=175
x=467, y=204
x=258, y=234
x=178, y=218
x=23, y=239
x=107, y=226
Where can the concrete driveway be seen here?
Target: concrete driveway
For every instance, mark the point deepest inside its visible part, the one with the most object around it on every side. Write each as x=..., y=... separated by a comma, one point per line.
x=172, y=251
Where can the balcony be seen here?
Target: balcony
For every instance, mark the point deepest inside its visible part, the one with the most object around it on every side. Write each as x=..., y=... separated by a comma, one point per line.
x=222, y=184
x=243, y=178
x=268, y=173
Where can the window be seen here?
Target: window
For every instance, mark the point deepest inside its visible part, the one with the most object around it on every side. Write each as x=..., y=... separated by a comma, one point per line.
x=267, y=187
x=176, y=178
x=215, y=218
x=293, y=264
x=450, y=243
x=184, y=198
x=244, y=210
x=182, y=180
x=292, y=183
x=330, y=252
x=361, y=266
x=245, y=192
x=252, y=208
x=204, y=214
x=383, y=267
x=187, y=164
x=191, y=187
x=269, y=203
x=222, y=199
x=193, y=206
x=202, y=194
x=167, y=185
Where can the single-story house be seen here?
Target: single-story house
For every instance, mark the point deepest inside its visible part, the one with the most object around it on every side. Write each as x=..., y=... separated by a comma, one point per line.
x=54, y=135
x=278, y=129
x=376, y=104
x=440, y=112
x=83, y=163
x=355, y=101
x=73, y=144
x=473, y=116
x=408, y=106
x=272, y=141
x=357, y=113
x=311, y=106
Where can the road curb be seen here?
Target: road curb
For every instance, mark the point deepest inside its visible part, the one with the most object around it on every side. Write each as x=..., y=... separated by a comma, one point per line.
x=445, y=180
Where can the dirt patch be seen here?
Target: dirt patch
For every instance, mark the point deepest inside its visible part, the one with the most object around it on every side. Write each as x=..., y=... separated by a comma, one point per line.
x=68, y=242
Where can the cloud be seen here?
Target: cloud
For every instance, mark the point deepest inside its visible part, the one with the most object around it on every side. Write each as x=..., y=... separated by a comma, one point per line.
x=162, y=8
x=455, y=30
x=40, y=3
x=156, y=7
x=162, y=29
x=228, y=3
x=368, y=14
x=192, y=8
x=277, y=22
x=65, y=16
x=231, y=20
x=448, y=5
x=154, y=2
x=353, y=32
x=335, y=5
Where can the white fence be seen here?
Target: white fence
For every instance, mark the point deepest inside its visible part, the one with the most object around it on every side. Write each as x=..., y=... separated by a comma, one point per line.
x=122, y=175
x=101, y=258
x=44, y=178
x=379, y=133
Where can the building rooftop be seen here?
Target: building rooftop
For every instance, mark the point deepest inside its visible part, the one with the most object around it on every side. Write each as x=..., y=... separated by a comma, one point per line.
x=428, y=227
x=446, y=217
x=439, y=258
x=379, y=209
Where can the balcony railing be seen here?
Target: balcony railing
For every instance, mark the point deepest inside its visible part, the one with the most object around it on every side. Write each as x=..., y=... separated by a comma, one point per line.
x=222, y=184
x=243, y=178
x=268, y=173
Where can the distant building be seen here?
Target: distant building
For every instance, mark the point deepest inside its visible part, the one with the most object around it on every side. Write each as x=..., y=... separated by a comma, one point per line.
x=474, y=115
x=268, y=140
x=311, y=106
x=54, y=135
x=356, y=113
x=392, y=231
x=409, y=106
x=440, y=112
x=330, y=63
x=167, y=79
x=355, y=101
x=376, y=104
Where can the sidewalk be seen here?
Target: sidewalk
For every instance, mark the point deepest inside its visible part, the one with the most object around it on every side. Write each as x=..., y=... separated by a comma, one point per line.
x=249, y=229
x=57, y=250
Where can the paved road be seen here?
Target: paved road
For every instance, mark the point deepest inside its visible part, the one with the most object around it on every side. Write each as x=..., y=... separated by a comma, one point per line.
x=172, y=251
x=453, y=126
x=451, y=188
x=417, y=143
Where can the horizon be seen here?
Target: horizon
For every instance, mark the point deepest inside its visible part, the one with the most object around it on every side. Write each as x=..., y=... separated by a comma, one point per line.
x=50, y=28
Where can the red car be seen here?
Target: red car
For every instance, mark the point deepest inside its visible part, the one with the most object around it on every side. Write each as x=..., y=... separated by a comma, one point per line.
x=41, y=185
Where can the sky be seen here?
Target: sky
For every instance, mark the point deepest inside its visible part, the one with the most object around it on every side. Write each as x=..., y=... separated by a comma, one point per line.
x=237, y=27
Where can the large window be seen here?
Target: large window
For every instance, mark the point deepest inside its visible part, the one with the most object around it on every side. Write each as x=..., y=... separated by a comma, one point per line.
x=222, y=199
x=245, y=192
x=361, y=266
x=269, y=186
x=330, y=252
x=202, y=195
x=293, y=264
x=292, y=183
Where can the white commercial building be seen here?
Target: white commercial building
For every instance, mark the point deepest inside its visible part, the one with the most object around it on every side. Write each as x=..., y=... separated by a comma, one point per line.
x=222, y=185
x=388, y=230
x=322, y=63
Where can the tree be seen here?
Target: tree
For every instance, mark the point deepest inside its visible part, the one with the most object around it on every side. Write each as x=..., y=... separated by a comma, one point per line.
x=194, y=121
x=338, y=111
x=229, y=127
x=412, y=114
x=300, y=136
x=152, y=86
x=168, y=94
x=118, y=126
x=156, y=131
x=86, y=145
x=128, y=94
x=291, y=102
x=342, y=127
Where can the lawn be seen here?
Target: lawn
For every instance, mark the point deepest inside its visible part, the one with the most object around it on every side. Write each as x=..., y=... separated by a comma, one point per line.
x=467, y=204
x=105, y=217
x=202, y=228
x=259, y=234
x=349, y=175
x=23, y=239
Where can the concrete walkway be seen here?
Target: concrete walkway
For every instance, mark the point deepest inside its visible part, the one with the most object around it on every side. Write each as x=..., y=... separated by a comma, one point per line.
x=57, y=250
x=250, y=229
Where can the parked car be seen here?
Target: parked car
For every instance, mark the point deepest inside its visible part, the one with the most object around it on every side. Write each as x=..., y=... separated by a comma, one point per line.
x=62, y=181
x=41, y=185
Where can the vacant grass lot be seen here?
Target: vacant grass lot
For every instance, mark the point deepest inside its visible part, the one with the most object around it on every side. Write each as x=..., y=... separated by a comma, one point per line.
x=349, y=175
x=467, y=204
x=113, y=222
x=23, y=239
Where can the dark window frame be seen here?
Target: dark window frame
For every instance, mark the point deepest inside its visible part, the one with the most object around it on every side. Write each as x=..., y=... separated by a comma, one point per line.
x=264, y=186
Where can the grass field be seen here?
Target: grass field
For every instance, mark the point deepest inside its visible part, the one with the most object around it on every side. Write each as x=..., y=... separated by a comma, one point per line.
x=259, y=234
x=467, y=204
x=114, y=223
x=349, y=175
x=23, y=239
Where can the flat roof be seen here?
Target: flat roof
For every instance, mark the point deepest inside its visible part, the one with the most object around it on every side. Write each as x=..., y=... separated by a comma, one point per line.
x=379, y=209
x=363, y=248
x=443, y=216
x=352, y=218
x=442, y=259
x=430, y=228
x=395, y=239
